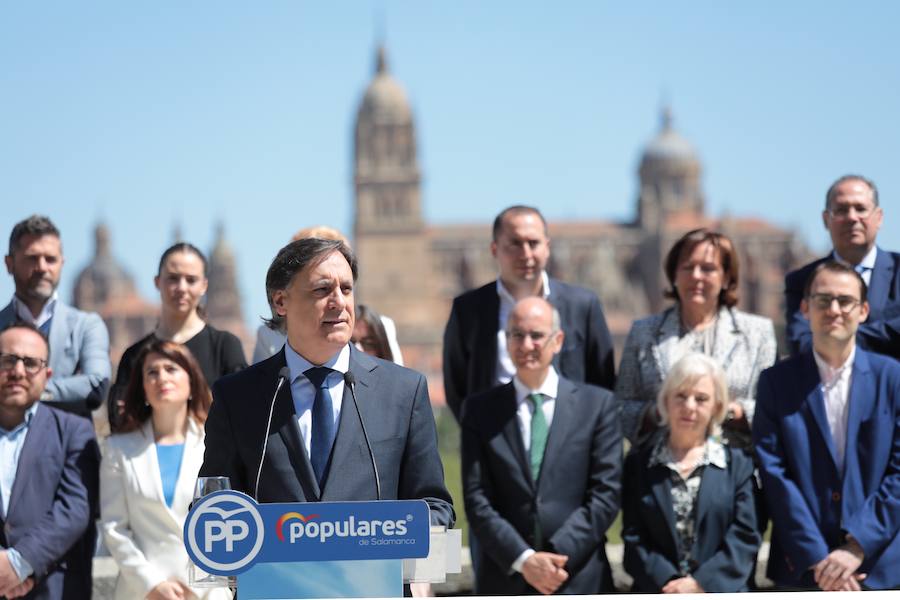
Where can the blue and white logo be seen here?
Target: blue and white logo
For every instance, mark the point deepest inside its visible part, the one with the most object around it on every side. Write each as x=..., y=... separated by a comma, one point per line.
x=224, y=532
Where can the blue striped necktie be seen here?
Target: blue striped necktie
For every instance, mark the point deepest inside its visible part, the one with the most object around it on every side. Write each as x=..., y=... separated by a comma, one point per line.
x=323, y=425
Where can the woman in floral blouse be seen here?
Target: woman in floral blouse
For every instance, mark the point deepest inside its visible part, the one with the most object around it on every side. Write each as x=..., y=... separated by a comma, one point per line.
x=689, y=516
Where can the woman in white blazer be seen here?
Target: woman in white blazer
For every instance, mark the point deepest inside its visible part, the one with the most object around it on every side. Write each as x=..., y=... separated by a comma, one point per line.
x=148, y=474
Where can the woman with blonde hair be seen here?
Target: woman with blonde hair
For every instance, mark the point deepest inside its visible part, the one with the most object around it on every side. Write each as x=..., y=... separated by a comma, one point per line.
x=689, y=519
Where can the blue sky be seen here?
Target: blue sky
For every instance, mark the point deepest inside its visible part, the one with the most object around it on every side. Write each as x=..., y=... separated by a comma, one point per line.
x=148, y=115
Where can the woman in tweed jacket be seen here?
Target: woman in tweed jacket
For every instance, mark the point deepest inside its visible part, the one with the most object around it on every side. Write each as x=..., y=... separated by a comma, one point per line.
x=702, y=269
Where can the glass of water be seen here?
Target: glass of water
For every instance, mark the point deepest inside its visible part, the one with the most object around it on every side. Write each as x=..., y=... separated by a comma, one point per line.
x=197, y=577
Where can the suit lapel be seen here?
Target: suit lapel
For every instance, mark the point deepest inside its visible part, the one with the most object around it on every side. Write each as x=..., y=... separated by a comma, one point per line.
x=33, y=450
x=485, y=348
x=861, y=401
x=880, y=282
x=661, y=487
x=712, y=480
x=810, y=384
x=284, y=424
x=507, y=412
x=564, y=415
x=728, y=336
x=59, y=331
x=666, y=339
x=191, y=461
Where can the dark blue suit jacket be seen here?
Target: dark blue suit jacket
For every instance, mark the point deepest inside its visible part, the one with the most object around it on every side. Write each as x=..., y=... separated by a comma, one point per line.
x=575, y=499
x=812, y=504
x=726, y=537
x=470, y=341
x=881, y=331
x=53, y=505
x=394, y=405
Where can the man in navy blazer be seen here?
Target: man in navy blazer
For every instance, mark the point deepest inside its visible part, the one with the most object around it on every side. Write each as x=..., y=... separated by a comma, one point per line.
x=827, y=437
x=541, y=475
x=48, y=480
x=853, y=217
x=316, y=447
x=80, y=342
x=475, y=353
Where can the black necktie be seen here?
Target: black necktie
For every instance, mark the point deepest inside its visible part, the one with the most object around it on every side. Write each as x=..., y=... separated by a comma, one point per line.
x=323, y=426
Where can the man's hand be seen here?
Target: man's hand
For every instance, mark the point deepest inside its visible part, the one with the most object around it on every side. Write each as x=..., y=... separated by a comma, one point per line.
x=837, y=571
x=169, y=590
x=544, y=571
x=682, y=585
x=9, y=579
x=21, y=589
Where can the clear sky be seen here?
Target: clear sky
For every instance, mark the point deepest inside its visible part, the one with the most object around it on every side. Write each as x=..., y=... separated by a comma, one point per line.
x=152, y=114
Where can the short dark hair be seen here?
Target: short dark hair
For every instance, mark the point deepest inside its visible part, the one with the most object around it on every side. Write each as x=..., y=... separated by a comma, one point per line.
x=20, y=324
x=182, y=247
x=292, y=259
x=832, y=191
x=33, y=225
x=137, y=411
x=833, y=266
x=513, y=211
x=728, y=258
x=372, y=319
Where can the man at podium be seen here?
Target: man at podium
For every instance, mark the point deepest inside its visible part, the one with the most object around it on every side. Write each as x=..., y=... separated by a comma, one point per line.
x=319, y=420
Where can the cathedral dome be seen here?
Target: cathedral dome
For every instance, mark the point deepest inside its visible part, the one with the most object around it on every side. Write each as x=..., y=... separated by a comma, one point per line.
x=669, y=146
x=385, y=99
x=103, y=280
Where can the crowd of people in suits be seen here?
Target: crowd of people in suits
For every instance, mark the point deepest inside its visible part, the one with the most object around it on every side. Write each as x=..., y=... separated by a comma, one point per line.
x=721, y=437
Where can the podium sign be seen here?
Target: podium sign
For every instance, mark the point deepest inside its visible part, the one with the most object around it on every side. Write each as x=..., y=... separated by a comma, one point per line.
x=227, y=533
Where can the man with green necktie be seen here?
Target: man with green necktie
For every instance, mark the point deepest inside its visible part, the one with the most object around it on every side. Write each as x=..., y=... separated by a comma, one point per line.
x=542, y=458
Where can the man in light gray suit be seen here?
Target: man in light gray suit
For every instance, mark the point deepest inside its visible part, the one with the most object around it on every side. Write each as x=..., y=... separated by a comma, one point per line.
x=79, y=342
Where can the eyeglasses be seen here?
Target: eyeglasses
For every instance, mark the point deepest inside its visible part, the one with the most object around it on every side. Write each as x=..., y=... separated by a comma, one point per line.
x=32, y=365
x=537, y=337
x=824, y=302
x=843, y=212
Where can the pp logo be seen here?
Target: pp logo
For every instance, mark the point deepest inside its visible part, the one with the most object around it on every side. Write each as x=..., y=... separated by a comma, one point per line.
x=224, y=532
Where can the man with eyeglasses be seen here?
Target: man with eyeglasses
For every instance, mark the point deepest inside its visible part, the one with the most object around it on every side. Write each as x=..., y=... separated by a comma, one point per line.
x=827, y=438
x=49, y=465
x=80, y=342
x=853, y=217
x=542, y=459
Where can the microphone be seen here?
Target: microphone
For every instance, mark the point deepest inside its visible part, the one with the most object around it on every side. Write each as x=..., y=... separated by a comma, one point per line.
x=283, y=375
x=350, y=381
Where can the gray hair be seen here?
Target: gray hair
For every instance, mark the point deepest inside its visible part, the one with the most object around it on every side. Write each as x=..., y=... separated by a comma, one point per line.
x=687, y=371
x=555, y=319
x=292, y=259
x=832, y=191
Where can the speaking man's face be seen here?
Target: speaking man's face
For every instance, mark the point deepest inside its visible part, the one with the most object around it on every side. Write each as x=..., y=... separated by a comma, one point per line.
x=36, y=264
x=318, y=308
x=23, y=369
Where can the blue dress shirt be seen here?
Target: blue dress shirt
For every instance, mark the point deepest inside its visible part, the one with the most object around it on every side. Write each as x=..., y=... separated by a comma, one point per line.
x=11, y=443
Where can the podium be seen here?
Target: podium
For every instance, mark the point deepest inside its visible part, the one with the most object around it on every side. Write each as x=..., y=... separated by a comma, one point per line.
x=318, y=549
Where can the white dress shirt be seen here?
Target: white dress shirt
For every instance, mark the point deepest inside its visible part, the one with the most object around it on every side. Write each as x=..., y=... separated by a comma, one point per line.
x=304, y=393
x=505, y=369
x=524, y=412
x=836, y=392
x=24, y=313
x=865, y=266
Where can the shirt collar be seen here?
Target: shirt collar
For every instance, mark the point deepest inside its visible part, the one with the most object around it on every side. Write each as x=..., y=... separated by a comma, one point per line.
x=550, y=387
x=507, y=297
x=829, y=374
x=26, y=423
x=867, y=262
x=298, y=365
x=713, y=454
x=24, y=313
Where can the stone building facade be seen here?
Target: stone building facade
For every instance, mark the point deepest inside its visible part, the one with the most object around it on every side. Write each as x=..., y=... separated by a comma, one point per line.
x=411, y=270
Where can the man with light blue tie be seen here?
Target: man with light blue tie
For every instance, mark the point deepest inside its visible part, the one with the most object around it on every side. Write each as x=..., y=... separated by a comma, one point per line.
x=316, y=448
x=79, y=340
x=853, y=217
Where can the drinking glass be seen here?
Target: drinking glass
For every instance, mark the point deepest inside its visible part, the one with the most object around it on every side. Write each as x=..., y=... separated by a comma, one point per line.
x=197, y=577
